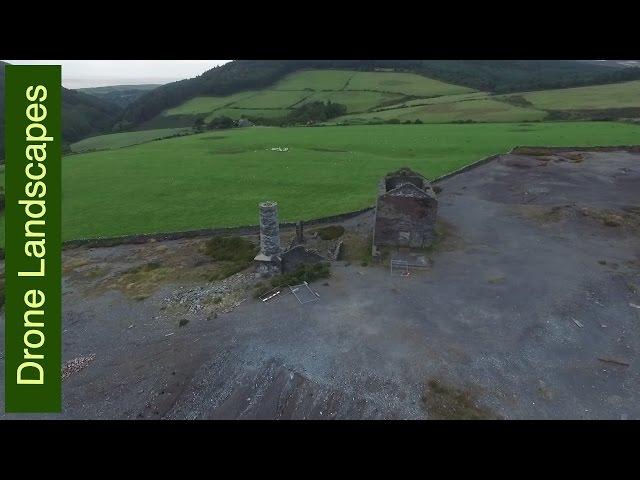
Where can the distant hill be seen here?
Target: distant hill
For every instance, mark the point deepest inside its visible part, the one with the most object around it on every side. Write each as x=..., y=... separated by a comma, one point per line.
x=83, y=115
x=495, y=76
x=121, y=95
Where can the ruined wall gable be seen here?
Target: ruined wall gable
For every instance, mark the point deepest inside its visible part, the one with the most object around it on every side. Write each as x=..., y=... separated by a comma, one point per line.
x=406, y=215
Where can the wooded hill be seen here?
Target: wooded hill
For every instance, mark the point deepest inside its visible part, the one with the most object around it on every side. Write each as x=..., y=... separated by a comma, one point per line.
x=121, y=95
x=83, y=115
x=496, y=76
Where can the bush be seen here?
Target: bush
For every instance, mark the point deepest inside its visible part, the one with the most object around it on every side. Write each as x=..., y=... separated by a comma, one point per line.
x=220, y=123
x=235, y=253
x=331, y=232
x=316, y=112
x=231, y=249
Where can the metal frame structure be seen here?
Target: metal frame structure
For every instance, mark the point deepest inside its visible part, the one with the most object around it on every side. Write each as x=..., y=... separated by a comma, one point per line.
x=401, y=268
x=304, y=287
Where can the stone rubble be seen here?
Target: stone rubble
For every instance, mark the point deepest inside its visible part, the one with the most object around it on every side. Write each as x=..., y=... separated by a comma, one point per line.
x=75, y=365
x=196, y=298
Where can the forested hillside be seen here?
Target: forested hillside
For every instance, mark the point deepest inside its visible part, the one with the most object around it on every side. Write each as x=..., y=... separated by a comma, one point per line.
x=82, y=114
x=121, y=95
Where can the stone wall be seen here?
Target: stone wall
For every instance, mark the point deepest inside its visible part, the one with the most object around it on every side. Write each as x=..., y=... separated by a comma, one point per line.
x=297, y=256
x=405, y=221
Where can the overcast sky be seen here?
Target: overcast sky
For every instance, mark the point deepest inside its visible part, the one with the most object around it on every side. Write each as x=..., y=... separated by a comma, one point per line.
x=98, y=73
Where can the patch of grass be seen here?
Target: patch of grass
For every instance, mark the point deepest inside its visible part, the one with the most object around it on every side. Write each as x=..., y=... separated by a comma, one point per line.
x=480, y=110
x=303, y=273
x=272, y=99
x=532, y=151
x=74, y=263
x=235, y=249
x=614, y=95
x=234, y=253
x=356, y=249
x=140, y=282
x=608, y=218
x=495, y=279
x=574, y=157
x=331, y=232
x=446, y=402
x=404, y=83
x=315, y=80
x=144, y=268
x=203, y=105
x=125, y=139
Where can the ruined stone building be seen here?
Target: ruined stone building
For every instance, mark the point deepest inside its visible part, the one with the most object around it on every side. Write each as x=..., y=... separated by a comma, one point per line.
x=406, y=210
x=272, y=259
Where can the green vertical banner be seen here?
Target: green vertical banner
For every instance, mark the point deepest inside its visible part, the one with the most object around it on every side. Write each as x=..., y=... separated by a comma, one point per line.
x=33, y=334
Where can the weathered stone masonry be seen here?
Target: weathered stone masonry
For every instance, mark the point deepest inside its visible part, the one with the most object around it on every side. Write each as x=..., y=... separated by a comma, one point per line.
x=269, y=258
x=406, y=211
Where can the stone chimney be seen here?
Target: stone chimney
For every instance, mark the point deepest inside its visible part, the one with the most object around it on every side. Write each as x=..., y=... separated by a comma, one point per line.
x=269, y=260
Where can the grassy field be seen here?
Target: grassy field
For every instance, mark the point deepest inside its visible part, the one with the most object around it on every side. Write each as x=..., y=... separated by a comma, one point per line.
x=442, y=99
x=203, y=105
x=482, y=110
x=404, y=83
x=126, y=139
x=236, y=113
x=217, y=179
x=616, y=95
x=317, y=80
x=272, y=99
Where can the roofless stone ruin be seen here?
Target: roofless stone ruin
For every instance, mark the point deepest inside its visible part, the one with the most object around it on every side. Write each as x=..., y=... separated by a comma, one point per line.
x=405, y=214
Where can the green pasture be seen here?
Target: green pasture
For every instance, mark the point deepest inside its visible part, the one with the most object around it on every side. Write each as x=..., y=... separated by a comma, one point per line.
x=482, y=110
x=125, y=139
x=404, y=83
x=317, y=80
x=202, y=105
x=216, y=179
x=615, y=95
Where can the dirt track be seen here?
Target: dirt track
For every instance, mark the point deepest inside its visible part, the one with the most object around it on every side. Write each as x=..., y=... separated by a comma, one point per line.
x=526, y=309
